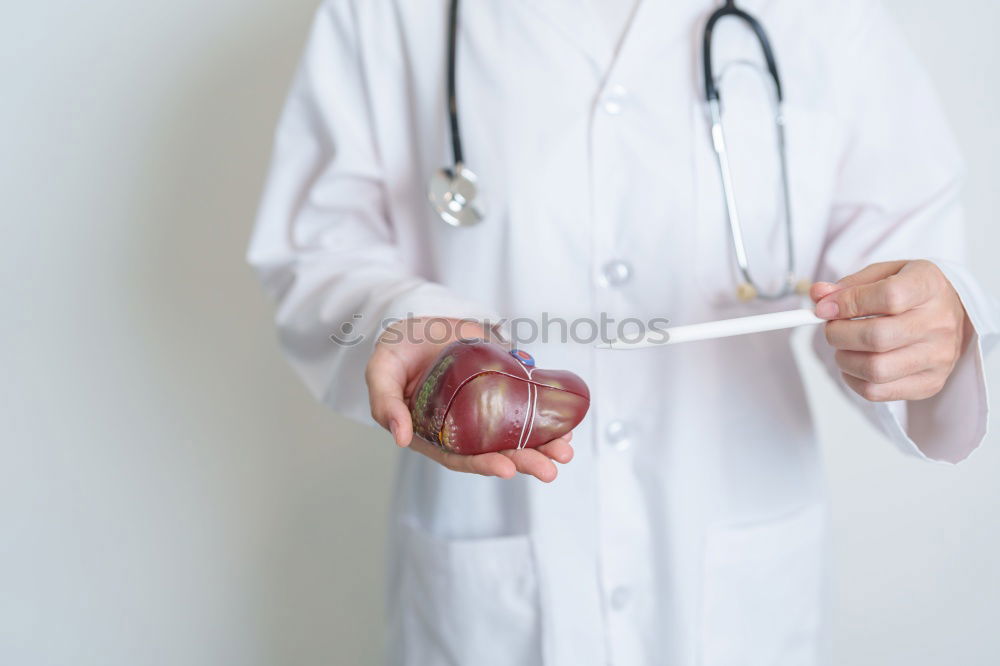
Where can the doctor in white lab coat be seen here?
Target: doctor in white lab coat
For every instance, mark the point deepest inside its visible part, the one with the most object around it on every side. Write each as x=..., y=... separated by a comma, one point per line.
x=690, y=526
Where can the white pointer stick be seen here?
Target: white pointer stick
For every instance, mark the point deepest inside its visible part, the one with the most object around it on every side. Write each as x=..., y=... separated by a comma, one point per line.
x=720, y=329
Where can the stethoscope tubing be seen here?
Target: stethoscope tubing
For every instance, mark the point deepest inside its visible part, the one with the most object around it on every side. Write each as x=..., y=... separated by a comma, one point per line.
x=458, y=156
x=750, y=289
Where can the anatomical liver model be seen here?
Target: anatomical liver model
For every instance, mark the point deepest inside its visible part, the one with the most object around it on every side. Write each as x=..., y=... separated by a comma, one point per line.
x=478, y=397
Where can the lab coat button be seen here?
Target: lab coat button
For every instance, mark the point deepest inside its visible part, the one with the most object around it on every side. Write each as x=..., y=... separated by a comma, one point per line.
x=620, y=597
x=617, y=273
x=614, y=101
x=617, y=434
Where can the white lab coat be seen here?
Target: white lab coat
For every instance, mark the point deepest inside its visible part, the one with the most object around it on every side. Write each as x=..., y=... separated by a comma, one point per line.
x=691, y=527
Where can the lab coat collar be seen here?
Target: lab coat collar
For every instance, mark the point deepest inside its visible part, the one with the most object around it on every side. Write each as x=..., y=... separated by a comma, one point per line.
x=654, y=24
x=576, y=22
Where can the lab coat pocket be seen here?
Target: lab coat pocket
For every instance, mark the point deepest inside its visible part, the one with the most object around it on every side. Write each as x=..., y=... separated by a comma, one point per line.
x=765, y=593
x=467, y=601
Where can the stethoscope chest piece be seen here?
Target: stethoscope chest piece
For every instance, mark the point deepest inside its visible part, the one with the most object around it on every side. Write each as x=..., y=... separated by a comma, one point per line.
x=452, y=193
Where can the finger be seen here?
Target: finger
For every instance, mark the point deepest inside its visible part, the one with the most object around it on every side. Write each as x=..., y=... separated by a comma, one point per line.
x=892, y=294
x=535, y=463
x=487, y=464
x=820, y=290
x=886, y=367
x=484, y=464
x=559, y=450
x=916, y=387
x=875, y=334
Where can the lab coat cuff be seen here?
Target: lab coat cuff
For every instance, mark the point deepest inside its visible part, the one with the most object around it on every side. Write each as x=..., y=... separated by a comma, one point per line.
x=982, y=308
x=951, y=425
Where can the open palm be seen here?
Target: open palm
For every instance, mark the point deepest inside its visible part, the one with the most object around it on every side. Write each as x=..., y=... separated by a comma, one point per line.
x=392, y=373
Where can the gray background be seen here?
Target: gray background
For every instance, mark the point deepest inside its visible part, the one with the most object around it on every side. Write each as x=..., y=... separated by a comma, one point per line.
x=169, y=494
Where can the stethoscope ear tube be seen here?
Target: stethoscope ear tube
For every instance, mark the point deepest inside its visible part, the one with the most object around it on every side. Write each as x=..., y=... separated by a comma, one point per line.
x=730, y=9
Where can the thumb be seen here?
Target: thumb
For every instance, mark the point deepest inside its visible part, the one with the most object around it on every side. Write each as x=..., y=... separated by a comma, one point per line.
x=820, y=290
x=400, y=423
x=871, y=273
x=849, y=296
x=385, y=396
x=393, y=415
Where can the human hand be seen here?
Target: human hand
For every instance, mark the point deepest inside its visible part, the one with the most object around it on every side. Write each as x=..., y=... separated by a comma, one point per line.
x=909, y=353
x=395, y=367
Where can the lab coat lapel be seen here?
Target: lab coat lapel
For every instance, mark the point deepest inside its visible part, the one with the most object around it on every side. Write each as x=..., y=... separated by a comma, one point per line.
x=659, y=24
x=653, y=31
x=574, y=21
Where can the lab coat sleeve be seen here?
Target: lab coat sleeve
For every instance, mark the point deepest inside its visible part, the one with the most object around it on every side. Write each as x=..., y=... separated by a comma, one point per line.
x=897, y=197
x=323, y=246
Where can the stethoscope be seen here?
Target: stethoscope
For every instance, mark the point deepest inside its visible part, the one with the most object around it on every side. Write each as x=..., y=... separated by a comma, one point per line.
x=453, y=190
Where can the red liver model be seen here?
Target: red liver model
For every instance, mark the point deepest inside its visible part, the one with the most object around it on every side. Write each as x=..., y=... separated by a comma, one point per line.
x=477, y=397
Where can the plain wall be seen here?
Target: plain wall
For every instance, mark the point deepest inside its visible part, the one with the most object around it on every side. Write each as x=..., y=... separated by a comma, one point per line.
x=169, y=493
